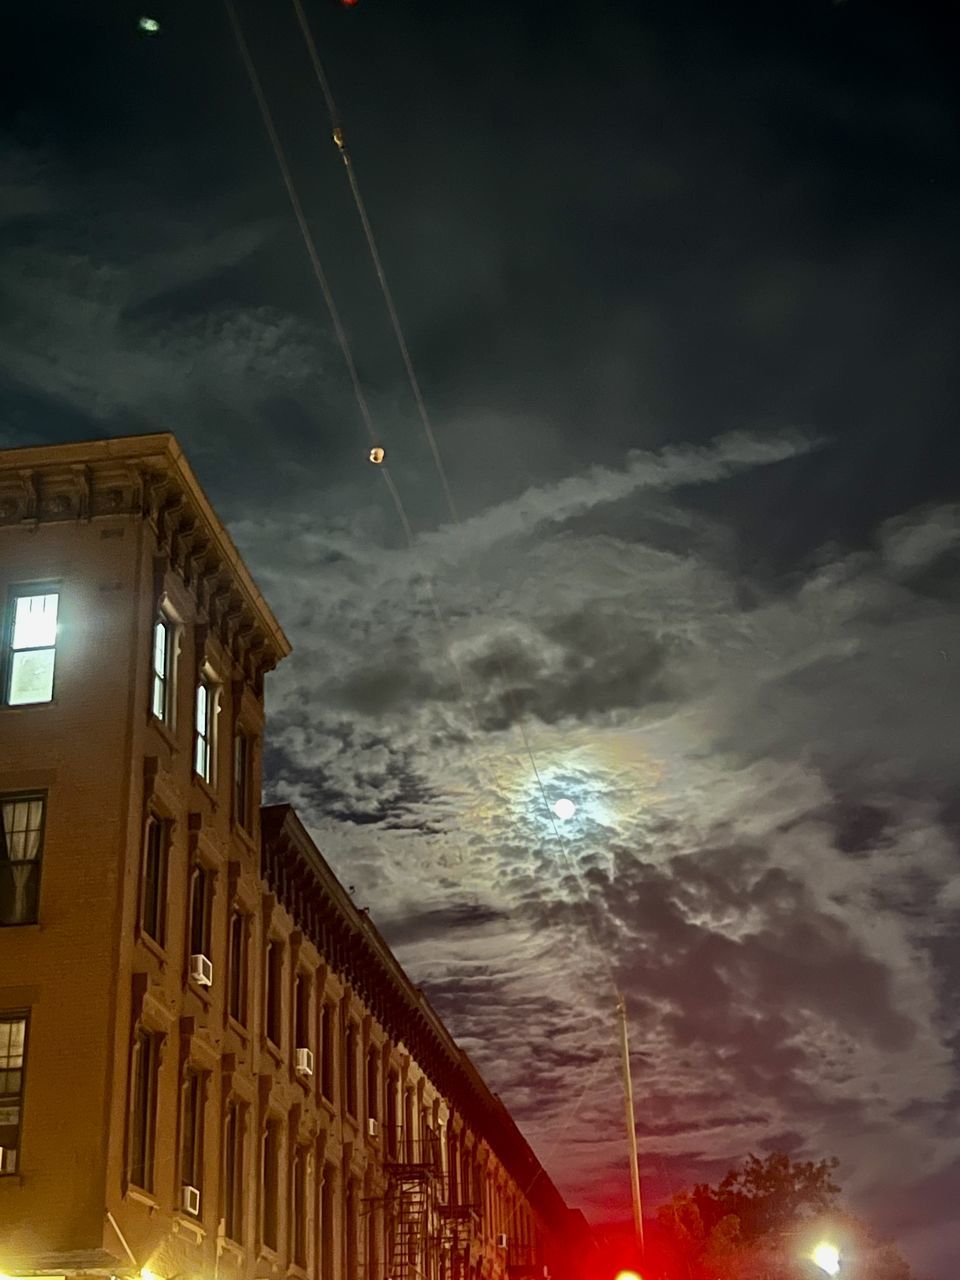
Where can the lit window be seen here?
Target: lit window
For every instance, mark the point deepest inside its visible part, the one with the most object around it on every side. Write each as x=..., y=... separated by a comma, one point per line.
x=33, y=639
x=21, y=844
x=203, y=731
x=161, y=681
x=13, y=1039
x=154, y=881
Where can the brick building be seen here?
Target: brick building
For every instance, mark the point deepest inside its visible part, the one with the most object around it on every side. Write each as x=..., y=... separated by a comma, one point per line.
x=211, y=1065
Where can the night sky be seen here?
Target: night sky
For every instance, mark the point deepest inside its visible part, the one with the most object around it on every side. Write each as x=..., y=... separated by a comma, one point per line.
x=680, y=283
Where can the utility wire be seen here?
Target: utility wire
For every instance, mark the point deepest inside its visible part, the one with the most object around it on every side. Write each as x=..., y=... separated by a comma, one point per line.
x=339, y=139
x=343, y=341
x=311, y=248
x=336, y=124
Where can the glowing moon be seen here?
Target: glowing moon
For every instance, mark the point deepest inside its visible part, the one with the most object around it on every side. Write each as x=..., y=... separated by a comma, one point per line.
x=564, y=809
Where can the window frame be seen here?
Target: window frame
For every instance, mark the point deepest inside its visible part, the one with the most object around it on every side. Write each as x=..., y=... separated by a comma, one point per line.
x=26, y=591
x=234, y=1184
x=158, y=933
x=328, y=1041
x=202, y=932
x=26, y=797
x=302, y=1005
x=238, y=967
x=168, y=676
x=273, y=992
x=351, y=1067
x=271, y=1145
x=205, y=743
x=144, y=1083
x=243, y=779
x=192, y=1130
x=9, y=1099
x=299, y=1202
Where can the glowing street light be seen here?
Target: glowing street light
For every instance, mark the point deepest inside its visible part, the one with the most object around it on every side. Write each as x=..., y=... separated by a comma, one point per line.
x=826, y=1256
x=564, y=809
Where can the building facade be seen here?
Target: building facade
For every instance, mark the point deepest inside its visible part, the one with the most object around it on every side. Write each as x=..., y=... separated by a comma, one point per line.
x=211, y=1065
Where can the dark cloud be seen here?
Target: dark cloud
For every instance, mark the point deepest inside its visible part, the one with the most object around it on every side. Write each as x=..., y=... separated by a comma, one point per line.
x=678, y=281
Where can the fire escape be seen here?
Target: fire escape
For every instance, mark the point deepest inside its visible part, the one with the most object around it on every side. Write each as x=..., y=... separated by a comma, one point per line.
x=459, y=1226
x=414, y=1173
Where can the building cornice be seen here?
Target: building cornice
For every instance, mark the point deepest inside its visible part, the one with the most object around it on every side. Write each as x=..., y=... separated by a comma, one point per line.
x=148, y=477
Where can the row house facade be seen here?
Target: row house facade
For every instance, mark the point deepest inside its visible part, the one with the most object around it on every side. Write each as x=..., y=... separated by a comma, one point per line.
x=211, y=1064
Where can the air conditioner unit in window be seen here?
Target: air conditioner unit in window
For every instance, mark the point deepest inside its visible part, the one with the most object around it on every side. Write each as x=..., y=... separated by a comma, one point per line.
x=303, y=1061
x=190, y=1201
x=201, y=971
x=501, y=1241
x=373, y=1127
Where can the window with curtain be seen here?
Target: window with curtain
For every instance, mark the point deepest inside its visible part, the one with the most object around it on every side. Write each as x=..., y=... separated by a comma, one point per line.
x=13, y=1039
x=21, y=846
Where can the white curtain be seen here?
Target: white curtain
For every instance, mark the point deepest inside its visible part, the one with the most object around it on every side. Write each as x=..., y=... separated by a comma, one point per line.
x=22, y=824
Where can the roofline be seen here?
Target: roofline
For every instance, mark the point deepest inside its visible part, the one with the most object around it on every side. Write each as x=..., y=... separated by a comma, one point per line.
x=146, y=447
x=285, y=816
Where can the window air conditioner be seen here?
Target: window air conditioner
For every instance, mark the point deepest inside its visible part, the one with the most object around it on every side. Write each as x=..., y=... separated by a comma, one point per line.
x=501, y=1240
x=201, y=971
x=303, y=1061
x=373, y=1127
x=190, y=1201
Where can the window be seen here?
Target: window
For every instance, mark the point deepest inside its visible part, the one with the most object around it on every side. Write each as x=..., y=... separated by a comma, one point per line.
x=328, y=1267
x=350, y=1053
x=153, y=890
x=270, y=1184
x=299, y=1207
x=13, y=1039
x=393, y=1126
x=327, y=1016
x=143, y=1109
x=233, y=1182
x=373, y=1084
x=350, y=1229
x=241, y=780
x=237, y=1006
x=272, y=992
x=203, y=731
x=161, y=677
x=200, y=885
x=32, y=647
x=301, y=1005
x=191, y=1131
x=21, y=845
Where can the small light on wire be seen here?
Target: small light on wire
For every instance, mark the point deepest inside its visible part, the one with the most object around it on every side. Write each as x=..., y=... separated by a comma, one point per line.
x=150, y=25
x=376, y=455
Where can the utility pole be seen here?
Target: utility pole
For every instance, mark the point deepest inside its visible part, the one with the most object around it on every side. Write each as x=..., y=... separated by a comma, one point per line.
x=631, y=1125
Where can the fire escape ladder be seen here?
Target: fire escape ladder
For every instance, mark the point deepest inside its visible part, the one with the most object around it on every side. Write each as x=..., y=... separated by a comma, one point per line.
x=411, y=1195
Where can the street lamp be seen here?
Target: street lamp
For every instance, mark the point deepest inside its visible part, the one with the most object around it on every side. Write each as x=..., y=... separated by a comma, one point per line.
x=826, y=1256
